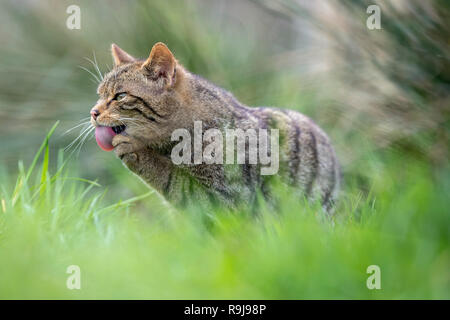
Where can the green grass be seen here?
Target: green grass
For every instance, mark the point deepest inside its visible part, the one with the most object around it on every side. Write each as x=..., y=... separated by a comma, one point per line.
x=380, y=96
x=50, y=220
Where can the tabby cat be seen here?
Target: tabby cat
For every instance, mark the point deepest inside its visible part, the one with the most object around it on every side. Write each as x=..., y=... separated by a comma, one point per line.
x=142, y=102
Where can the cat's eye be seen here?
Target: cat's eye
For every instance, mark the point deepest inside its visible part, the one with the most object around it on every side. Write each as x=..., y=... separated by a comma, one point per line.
x=120, y=96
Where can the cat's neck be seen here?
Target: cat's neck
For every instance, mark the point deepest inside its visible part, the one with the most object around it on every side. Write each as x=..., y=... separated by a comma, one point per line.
x=206, y=98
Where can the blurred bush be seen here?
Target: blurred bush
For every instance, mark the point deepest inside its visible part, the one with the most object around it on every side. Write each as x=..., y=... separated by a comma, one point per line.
x=371, y=89
x=382, y=95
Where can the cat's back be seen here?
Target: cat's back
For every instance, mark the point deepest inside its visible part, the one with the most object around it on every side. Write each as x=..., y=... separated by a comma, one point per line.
x=307, y=152
x=305, y=149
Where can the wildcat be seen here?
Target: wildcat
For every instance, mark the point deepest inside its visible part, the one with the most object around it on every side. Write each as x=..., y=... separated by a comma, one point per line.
x=142, y=102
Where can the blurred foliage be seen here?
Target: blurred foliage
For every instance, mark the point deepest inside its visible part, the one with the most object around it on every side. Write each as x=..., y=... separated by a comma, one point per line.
x=380, y=88
x=382, y=96
x=59, y=220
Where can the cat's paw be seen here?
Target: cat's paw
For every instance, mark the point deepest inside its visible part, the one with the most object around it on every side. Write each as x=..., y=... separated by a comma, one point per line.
x=126, y=149
x=131, y=160
x=124, y=145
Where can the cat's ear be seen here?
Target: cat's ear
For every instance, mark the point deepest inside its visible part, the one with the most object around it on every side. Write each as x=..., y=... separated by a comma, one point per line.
x=120, y=56
x=161, y=64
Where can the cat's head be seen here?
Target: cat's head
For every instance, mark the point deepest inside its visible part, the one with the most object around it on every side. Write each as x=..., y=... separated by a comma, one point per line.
x=140, y=99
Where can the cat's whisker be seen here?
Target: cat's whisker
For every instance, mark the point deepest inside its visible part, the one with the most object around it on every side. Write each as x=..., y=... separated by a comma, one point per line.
x=92, y=74
x=107, y=68
x=95, y=65
x=84, y=119
x=128, y=120
x=124, y=121
x=79, y=144
x=77, y=126
x=137, y=122
x=76, y=139
x=86, y=135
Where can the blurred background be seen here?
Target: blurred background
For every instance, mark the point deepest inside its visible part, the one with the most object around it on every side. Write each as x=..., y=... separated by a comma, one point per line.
x=381, y=95
x=369, y=89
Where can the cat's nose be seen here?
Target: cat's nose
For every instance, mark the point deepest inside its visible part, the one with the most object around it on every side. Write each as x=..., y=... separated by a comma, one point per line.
x=94, y=113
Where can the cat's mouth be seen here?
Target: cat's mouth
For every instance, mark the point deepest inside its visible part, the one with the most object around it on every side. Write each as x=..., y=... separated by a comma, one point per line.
x=119, y=129
x=104, y=136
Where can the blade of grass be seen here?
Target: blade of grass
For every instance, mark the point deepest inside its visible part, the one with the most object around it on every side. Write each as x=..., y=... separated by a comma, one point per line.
x=124, y=203
x=44, y=170
x=36, y=157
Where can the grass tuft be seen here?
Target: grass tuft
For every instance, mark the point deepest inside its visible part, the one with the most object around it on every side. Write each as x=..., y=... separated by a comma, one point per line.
x=123, y=252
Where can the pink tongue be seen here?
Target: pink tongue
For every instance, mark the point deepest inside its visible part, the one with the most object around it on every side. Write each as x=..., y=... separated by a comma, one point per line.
x=104, y=136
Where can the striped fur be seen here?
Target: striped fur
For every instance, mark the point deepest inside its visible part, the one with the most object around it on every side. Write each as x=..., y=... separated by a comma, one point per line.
x=163, y=96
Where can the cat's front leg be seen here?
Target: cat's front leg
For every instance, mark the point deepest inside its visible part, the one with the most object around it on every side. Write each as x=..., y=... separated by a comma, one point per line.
x=148, y=164
x=127, y=149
